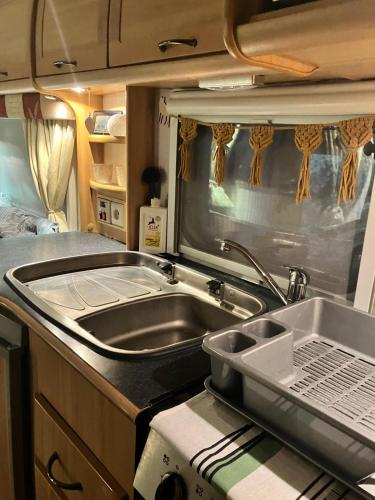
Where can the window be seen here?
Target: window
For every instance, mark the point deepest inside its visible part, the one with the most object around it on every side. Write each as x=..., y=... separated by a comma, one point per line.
x=16, y=181
x=325, y=238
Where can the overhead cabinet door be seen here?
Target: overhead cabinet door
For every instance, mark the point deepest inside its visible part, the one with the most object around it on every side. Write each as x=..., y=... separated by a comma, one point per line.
x=15, y=19
x=71, y=36
x=152, y=30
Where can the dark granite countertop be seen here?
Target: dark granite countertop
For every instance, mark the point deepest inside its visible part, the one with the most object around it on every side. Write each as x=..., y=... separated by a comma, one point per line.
x=144, y=382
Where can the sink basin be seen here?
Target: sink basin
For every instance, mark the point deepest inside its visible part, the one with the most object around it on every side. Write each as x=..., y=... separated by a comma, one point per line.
x=157, y=323
x=121, y=303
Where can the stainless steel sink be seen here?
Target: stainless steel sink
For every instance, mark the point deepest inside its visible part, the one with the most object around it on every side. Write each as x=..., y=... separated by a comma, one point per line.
x=122, y=303
x=157, y=322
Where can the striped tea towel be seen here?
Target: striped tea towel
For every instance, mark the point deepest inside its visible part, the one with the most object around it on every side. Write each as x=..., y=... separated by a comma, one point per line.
x=239, y=459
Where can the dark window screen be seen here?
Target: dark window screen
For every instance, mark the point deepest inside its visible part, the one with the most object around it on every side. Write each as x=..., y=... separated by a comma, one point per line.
x=320, y=235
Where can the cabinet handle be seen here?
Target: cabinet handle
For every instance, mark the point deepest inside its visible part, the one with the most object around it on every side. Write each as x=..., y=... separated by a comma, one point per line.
x=3, y=73
x=56, y=482
x=60, y=64
x=165, y=44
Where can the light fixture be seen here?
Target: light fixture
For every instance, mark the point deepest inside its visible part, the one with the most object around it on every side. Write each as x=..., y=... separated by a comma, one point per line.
x=62, y=111
x=50, y=97
x=79, y=90
x=240, y=82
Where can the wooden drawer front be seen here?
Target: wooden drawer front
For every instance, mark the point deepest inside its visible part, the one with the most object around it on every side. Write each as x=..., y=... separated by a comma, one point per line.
x=104, y=428
x=6, y=483
x=75, y=462
x=43, y=490
x=145, y=23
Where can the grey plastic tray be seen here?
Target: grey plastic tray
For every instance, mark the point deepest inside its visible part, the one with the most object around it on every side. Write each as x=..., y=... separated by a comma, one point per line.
x=308, y=371
x=236, y=405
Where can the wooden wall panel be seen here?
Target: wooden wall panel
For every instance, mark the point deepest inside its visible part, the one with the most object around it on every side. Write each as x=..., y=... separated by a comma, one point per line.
x=140, y=113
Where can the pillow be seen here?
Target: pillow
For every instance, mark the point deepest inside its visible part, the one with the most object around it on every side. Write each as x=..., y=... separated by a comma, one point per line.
x=44, y=226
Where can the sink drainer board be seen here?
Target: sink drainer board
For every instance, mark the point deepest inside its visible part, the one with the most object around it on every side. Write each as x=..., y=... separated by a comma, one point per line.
x=308, y=371
x=82, y=292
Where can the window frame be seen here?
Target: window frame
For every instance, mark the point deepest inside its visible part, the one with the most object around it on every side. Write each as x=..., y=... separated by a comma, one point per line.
x=365, y=288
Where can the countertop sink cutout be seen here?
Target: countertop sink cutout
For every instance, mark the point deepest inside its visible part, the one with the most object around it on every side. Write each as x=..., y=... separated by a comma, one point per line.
x=123, y=304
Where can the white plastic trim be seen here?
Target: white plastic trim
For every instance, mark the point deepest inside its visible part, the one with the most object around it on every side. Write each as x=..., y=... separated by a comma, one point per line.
x=172, y=186
x=366, y=275
x=299, y=104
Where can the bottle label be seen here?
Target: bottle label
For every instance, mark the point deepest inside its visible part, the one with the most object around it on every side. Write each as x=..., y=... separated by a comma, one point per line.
x=152, y=235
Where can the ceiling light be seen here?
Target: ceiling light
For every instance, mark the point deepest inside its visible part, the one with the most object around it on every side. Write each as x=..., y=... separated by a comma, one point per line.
x=241, y=82
x=50, y=97
x=79, y=90
x=62, y=111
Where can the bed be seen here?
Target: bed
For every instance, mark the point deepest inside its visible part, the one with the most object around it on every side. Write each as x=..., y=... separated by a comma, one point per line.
x=19, y=222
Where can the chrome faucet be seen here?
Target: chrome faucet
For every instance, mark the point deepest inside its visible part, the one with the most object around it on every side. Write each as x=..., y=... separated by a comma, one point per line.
x=298, y=278
x=298, y=281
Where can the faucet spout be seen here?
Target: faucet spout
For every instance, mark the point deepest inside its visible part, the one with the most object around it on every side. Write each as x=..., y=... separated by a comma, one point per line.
x=228, y=245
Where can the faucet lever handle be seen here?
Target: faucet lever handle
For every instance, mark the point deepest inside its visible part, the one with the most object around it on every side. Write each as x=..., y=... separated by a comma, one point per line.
x=214, y=284
x=216, y=288
x=299, y=272
x=298, y=281
x=166, y=267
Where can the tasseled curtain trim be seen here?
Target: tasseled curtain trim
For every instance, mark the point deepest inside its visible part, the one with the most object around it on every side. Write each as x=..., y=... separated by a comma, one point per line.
x=307, y=139
x=188, y=132
x=222, y=134
x=354, y=134
x=259, y=139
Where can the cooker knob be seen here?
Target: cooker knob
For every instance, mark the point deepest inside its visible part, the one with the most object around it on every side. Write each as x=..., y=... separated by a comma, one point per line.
x=171, y=487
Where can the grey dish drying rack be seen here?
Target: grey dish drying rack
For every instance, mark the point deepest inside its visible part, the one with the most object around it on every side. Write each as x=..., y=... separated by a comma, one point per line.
x=307, y=373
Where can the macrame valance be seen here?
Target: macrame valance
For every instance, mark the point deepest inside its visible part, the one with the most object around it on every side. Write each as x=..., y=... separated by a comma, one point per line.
x=188, y=132
x=222, y=134
x=354, y=134
x=259, y=139
x=307, y=138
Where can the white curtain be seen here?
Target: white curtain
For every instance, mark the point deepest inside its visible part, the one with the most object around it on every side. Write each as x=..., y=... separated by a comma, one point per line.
x=51, y=144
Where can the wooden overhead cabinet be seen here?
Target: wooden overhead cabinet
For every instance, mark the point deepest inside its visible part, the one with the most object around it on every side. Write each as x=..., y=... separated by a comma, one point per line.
x=329, y=38
x=153, y=30
x=71, y=36
x=15, y=19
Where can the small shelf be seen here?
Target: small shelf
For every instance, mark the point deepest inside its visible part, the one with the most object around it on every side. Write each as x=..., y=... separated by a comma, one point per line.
x=106, y=139
x=106, y=187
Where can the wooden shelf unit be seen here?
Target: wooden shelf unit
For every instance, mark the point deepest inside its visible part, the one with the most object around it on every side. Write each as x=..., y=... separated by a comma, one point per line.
x=112, y=192
x=98, y=186
x=138, y=153
x=106, y=139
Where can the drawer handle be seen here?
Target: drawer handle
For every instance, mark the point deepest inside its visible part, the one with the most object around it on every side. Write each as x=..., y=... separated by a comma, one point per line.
x=56, y=482
x=165, y=44
x=3, y=73
x=60, y=64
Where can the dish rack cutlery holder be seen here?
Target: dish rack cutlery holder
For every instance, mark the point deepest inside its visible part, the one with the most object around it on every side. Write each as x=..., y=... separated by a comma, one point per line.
x=308, y=371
